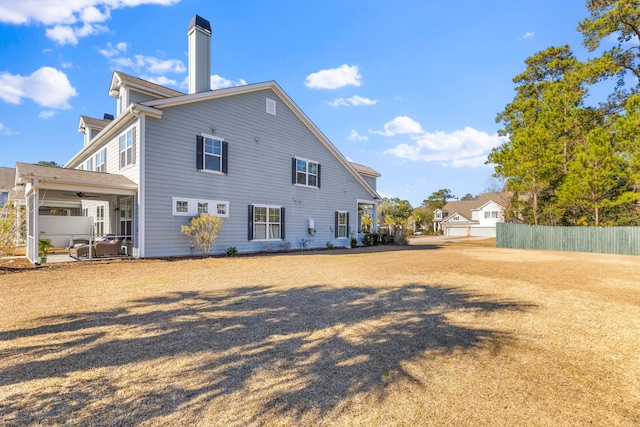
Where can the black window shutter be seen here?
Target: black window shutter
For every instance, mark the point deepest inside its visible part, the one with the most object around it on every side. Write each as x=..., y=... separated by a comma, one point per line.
x=335, y=229
x=250, y=235
x=225, y=155
x=348, y=227
x=199, y=152
x=293, y=170
x=282, y=223
x=318, y=175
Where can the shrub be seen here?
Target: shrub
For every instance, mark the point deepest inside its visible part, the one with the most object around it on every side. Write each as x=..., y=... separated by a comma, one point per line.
x=400, y=239
x=232, y=251
x=202, y=231
x=11, y=225
x=371, y=239
x=354, y=242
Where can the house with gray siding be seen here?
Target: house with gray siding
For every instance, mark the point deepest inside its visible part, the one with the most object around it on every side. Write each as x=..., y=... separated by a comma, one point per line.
x=247, y=154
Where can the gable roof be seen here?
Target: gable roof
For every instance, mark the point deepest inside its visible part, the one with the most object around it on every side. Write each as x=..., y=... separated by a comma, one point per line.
x=465, y=208
x=237, y=90
x=121, y=79
x=365, y=170
x=92, y=123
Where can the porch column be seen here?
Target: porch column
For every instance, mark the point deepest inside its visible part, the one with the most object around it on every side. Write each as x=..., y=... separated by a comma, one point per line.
x=33, y=230
x=374, y=226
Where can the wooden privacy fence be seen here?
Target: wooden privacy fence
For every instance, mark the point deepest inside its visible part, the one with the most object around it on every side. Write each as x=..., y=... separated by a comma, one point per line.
x=606, y=240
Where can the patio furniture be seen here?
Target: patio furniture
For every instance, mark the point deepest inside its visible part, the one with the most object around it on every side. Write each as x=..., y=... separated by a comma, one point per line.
x=110, y=247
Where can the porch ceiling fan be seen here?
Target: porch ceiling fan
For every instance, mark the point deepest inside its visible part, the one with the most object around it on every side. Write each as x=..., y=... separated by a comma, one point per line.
x=81, y=195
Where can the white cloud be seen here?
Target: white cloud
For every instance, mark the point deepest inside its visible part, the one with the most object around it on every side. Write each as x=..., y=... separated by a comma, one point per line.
x=334, y=78
x=46, y=114
x=112, y=50
x=150, y=64
x=355, y=136
x=468, y=147
x=398, y=126
x=66, y=34
x=47, y=87
x=218, y=82
x=6, y=131
x=528, y=35
x=353, y=101
x=161, y=80
x=67, y=21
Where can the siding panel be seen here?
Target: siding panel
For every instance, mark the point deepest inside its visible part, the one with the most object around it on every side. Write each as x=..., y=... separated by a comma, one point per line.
x=259, y=172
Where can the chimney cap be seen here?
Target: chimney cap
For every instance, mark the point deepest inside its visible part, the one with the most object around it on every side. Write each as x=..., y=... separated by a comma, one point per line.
x=199, y=21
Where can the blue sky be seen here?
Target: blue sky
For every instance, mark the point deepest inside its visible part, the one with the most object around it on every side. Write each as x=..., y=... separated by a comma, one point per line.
x=409, y=88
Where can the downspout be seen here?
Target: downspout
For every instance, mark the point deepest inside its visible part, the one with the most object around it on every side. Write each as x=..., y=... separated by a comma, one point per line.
x=141, y=208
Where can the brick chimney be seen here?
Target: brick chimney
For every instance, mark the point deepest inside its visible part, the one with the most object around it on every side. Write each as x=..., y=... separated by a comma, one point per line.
x=199, y=34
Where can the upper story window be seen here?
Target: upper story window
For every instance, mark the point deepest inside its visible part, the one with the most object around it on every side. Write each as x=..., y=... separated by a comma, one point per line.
x=128, y=148
x=305, y=172
x=456, y=217
x=123, y=100
x=211, y=154
x=4, y=197
x=89, y=164
x=490, y=214
x=101, y=156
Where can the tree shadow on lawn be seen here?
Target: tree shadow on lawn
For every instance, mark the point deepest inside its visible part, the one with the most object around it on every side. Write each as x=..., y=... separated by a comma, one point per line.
x=325, y=344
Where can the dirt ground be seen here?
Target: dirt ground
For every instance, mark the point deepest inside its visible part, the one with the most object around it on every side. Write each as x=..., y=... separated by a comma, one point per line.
x=447, y=335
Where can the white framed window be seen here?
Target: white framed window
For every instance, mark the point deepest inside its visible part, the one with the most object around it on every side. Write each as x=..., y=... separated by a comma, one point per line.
x=267, y=222
x=211, y=154
x=271, y=107
x=101, y=165
x=305, y=172
x=490, y=214
x=456, y=217
x=99, y=223
x=183, y=206
x=127, y=148
x=126, y=218
x=90, y=164
x=123, y=101
x=342, y=225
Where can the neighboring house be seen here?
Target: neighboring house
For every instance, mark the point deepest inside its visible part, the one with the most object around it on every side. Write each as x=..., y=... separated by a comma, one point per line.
x=7, y=176
x=477, y=217
x=247, y=154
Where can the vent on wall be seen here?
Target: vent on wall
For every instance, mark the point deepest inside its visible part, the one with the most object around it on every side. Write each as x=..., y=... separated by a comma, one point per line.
x=271, y=106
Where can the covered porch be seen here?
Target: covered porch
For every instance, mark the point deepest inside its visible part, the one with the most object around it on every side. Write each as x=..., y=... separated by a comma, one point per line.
x=71, y=207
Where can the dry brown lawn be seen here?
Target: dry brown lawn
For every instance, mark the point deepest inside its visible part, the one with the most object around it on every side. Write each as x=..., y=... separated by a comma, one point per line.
x=456, y=334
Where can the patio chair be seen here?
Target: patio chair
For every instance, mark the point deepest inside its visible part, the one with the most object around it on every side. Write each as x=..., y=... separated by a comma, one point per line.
x=80, y=250
x=108, y=247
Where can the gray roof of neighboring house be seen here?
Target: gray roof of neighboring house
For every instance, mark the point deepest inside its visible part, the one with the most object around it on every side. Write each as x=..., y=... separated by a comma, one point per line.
x=7, y=177
x=465, y=207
